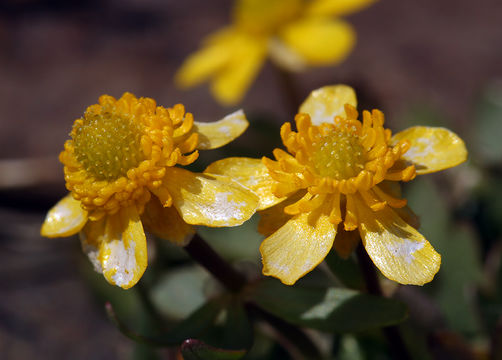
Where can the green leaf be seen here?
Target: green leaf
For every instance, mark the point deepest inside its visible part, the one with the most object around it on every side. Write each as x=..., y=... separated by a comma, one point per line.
x=346, y=271
x=489, y=124
x=178, y=293
x=238, y=332
x=197, y=323
x=235, y=243
x=331, y=310
x=193, y=349
x=460, y=260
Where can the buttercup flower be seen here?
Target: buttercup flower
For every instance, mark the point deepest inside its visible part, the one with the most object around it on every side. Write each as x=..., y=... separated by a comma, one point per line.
x=338, y=183
x=294, y=33
x=120, y=169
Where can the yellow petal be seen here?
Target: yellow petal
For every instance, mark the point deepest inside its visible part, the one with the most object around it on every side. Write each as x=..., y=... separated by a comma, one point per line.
x=66, y=218
x=166, y=223
x=327, y=102
x=400, y=252
x=247, y=56
x=432, y=148
x=201, y=65
x=203, y=199
x=116, y=245
x=337, y=7
x=251, y=173
x=216, y=134
x=284, y=56
x=298, y=246
x=273, y=218
x=319, y=41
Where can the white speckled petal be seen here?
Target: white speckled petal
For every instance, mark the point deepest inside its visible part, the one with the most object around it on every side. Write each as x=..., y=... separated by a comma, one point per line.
x=216, y=134
x=116, y=245
x=432, y=148
x=298, y=246
x=66, y=218
x=400, y=252
x=204, y=199
x=251, y=173
x=327, y=102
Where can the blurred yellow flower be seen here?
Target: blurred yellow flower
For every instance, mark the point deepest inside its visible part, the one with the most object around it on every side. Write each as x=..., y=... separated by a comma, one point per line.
x=338, y=183
x=120, y=167
x=294, y=33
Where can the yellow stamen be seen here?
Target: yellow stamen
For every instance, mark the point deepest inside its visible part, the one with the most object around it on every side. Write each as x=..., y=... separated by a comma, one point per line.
x=342, y=162
x=120, y=150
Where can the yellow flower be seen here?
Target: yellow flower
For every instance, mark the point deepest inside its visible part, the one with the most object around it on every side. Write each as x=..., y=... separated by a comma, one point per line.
x=338, y=183
x=294, y=33
x=120, y=167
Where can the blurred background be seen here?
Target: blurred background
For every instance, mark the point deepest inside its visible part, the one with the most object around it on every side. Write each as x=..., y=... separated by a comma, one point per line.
x=429, y=62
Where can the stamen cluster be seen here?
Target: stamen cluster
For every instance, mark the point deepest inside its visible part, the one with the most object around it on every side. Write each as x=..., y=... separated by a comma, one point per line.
x=119, y=151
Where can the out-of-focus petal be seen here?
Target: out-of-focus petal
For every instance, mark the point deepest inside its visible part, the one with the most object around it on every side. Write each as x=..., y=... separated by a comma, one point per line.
x=66, y=218
x=216, y=134
x=432, y=148
x=166, y=223
x=337, y=7
x=400, y=252
x=319, y=41
x=327, y=102
x=247, y=56
x=206, y=62
x=203, y=199
x=298, y=246
x=116, y=245
x=251, y=173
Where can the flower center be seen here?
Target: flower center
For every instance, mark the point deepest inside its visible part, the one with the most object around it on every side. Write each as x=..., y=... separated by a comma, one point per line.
x=264, y=16
x=108, y=145
x=338, y=155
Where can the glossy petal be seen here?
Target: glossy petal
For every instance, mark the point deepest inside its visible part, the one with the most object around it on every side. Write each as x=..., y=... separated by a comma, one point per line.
x=116, y=245
x=66, y=218
x=432, y=148
x=319, y=41
x=298, y=246
x=400, y=252
x=327, y=102
x=247, y=57
x=337, y=7
x=273, y=218
x=216, y=134
x=201, y=65
x=251, y=173
x=166, y=223
x=203, y=199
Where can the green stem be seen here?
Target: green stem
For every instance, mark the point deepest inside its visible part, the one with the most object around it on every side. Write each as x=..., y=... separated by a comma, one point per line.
x=234, y=281
x=288, y=89
x=201, y=252
x=296, y=338
x=392, y=334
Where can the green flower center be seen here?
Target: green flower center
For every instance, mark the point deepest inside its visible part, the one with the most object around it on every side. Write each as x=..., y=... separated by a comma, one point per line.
x=108, y=145
x=338, y=155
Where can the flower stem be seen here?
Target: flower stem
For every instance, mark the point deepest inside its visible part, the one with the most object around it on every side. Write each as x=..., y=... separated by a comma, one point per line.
x=234, y=281
x=201, y=252
x=288, y=89
x=396, y=343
